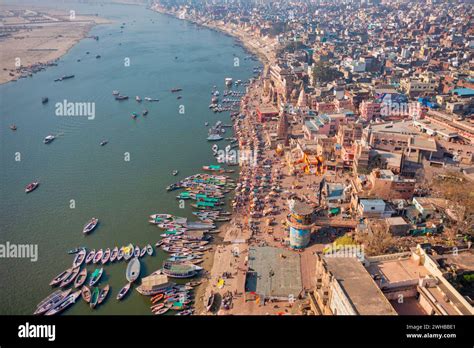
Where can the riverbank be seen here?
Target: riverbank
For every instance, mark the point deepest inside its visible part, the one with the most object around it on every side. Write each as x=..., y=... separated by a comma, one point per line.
x=264, y=50
x=37, y=37
x=229, y=260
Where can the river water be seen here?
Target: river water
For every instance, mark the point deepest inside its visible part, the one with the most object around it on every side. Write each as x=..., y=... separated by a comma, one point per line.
x=80, y=179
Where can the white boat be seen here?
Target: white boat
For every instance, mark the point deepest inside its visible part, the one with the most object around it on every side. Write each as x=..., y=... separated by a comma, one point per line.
x=133, y=270
x=115, y=93
x=49, y=139
x=138, y=99
x=228, y=81
x=214, y=137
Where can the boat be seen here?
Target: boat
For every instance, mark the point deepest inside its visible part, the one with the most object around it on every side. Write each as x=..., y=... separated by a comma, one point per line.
x=31, y=187
x=155, y=284
x=60, y=277
x=136, y=251
x=228, y=81
x=134, y=115
x=75, y=250
x=104, y=142
x=149, y=250
x=157, y=307
x=48, y=139
x=143, y=251
x=103, y=294
x=114, y=254
x=86, y=293
x=121, y=97
x=89, y=227
x=138, y=99
x=174, y=90
x=123, y=291
x=210, y=300
x=13, y=127
x=128, y=252
x=79, y=258
x=69, y=300
x=81, y=278
x=194, y=283
x=186, y=312
x=180, y=270
x=133, y=270
x=162, y=311
x=64, y=77
x=206, y=124
x=97, y=56
x=98, y=256
x=157, y=298
x=120, y=254
x=96, y=276
x=106, y=257
x=115, y=93
x=145, y=112
x=51, y=301
x=94, y=297
x=70, y=278
x=90, y=256
x=175, y=172
x=214, y=137
x=44, y=100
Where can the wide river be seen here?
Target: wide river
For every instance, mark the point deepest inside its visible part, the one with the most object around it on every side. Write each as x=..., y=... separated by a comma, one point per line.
x=80, y=179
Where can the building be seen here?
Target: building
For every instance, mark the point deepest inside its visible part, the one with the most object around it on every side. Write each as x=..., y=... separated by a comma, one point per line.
x=344, y=287
x=370, y=110
x=386, y=185
x=266, y=112
x=415, y=283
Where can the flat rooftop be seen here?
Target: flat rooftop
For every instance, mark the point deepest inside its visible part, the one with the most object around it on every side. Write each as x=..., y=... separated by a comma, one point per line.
x=397, y=270
x=365, y=295
x=273, y=272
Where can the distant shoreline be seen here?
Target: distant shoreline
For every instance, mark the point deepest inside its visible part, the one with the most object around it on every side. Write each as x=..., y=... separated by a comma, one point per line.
x=36, y=46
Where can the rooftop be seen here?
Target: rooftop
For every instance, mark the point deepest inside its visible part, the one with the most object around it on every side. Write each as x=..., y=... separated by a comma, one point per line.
x=359, y=286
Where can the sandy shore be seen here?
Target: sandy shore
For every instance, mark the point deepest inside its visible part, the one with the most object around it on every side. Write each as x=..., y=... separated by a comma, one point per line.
x=35, y=37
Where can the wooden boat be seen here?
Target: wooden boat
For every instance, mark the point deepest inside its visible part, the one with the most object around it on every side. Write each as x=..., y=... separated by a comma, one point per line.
x=86, y=293
x=180, y=270
x=81, y=278
x=31, y=187
x=13, y=127
x=79, y=258
x=155, y=283
x=210, y=301
x=136, y=252
x=149, y=250
x=94, y=297
x=123, y=291
x=128, y=252
x=51, y=301
x=106, y=256
x=90, y=226
x=90, y=256
x=158, y=244
x=186, y=312
x=103, y=294
x=70, y=278
x=69, y=300
x=157, y=307
x=133, y=270
x=157, y=298
x=120, y=254
x=143, y=251
x=96, y=276
x=162, y=311
x=194, y=283
x=98, y=256
x=114, y=254
x=60, y=277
